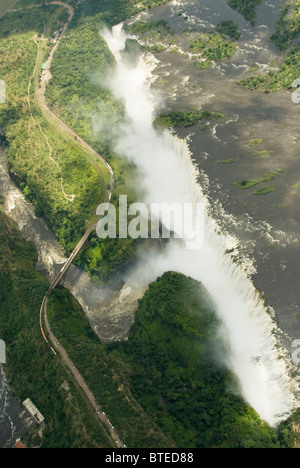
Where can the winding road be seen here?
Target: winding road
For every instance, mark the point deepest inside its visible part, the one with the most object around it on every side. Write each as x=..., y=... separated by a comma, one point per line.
x=53, y=343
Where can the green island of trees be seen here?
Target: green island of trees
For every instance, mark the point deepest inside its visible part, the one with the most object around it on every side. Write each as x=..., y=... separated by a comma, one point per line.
x=247, y=8
x=187, y=119
x=228, y=28
x=279, y=79
x=288, y=25
x=209, y=47
x=246, y=184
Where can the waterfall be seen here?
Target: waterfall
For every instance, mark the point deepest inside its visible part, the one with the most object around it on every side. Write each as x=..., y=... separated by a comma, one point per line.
x=169, y=176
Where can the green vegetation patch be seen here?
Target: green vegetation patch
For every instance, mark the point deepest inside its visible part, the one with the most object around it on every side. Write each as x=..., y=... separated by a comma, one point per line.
x=265, y=190
x=156, y=36
x=79, y=94
x=246, y=184
x=110, y=12
x=277, y=80
x=227, y=161
x=263, y=153
x=212, y=46
x=288, y=25
x=247, y=8
x=105, y=374
x=186, y=119
x=228, y=28
x=255, y=142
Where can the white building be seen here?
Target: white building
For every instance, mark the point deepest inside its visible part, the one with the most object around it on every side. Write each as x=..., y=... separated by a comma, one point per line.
x=33, y=411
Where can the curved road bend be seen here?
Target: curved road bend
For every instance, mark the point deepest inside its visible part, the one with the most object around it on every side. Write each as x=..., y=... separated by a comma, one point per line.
x=56, y=347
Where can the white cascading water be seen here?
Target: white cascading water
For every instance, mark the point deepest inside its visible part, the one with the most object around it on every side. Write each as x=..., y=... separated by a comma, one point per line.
x=169, y=176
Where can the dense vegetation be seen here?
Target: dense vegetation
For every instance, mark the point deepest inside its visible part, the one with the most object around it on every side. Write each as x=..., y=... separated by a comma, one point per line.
x=277, y=79
x=31, y=369
x=106, y=375
x=228, y=28
x=176, y=372
x=168, y=374
x=210, y=47
x=288, y=25
x=76, y=92
x=247, y=8
x=187, y=119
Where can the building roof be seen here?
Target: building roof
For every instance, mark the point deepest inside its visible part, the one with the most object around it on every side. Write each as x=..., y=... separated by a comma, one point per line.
x=33, y=411
x=19, y=444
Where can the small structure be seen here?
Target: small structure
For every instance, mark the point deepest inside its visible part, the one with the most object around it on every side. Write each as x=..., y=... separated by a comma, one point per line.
x=33, y=411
